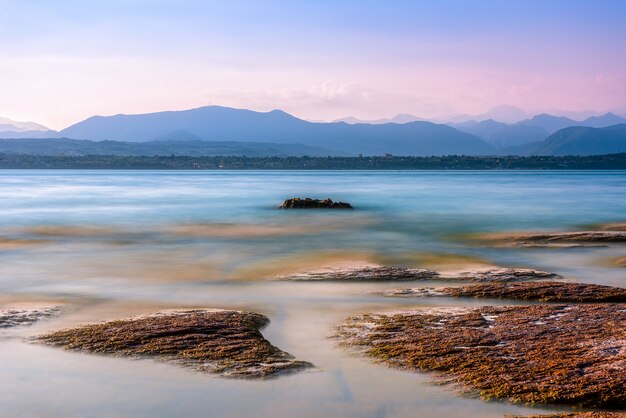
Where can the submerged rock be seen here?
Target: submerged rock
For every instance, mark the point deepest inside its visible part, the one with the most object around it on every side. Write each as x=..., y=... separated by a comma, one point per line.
x=17, y=316
x=619, y=261
x=541, y=291
x=562, y=354
x=588, y=414
x=382, y=273
x=363, y=274
x=308, y=203
x=498, y=274
x=228, y=343
x=552, y=239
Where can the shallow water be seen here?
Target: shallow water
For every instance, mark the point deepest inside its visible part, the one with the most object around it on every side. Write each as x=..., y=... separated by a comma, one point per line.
x=109, y=244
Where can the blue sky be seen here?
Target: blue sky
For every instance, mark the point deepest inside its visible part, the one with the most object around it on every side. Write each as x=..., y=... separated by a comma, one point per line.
x=62, y=61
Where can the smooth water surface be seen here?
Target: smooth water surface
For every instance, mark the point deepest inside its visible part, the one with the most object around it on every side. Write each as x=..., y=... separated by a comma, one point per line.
x=109, y=244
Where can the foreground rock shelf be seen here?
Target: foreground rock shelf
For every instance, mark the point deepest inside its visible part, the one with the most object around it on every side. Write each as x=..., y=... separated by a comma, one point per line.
x=381, y=274
x=540, y=291
x=228, y=343
x=561, y=354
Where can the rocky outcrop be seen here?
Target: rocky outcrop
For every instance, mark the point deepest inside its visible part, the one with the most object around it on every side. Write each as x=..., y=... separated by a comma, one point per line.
x=16, y=316
x=552, y=239
x=588, y=414
x=499, y=274
x=363, y=274
x=381, y=274
x=228, y=343
x=561, y=354
x=308, y=203
x=540, y=291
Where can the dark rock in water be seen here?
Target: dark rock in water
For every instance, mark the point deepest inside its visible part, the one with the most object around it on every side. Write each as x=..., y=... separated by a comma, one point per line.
x=561, y=354
x=14, y=317
x=588, y=414
x=552, y=239
x=308, y=203
x=228, y=343
x=541, y=291
x=382, y=273
x=364, y=274
x=500, y=274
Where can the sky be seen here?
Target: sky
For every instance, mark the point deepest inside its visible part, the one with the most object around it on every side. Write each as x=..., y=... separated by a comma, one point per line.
x=63, y=61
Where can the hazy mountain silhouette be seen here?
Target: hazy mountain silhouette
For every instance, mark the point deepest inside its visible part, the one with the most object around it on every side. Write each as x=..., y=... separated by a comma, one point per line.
x=608, y=119
x=399, y=118
x=28, y=134
x=7, y=124
x=503, y=113
x=215, y=123
x=554, y=123
x=577, y=140
x=502, y=135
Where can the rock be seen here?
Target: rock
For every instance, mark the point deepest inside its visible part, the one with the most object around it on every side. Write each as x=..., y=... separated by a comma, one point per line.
x=363, y=274
x=308, y=203
x=552, y=239
x=16, y=316
x=589, y=414
x=227, y=343
x=382, y=273
x=498, y=274
x=541, y=291
x=560, y=354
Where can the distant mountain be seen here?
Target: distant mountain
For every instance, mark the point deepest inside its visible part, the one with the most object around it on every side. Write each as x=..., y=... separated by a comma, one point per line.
x=549, y=122
x=399, y=118
x=27, y=134
x=502, y=135
x=7, y=124
x=608, y=119
x=577, y=140
x=178, y=135
x=215, y=123
x=554, y=123
x=504, y=113
x=65, y=146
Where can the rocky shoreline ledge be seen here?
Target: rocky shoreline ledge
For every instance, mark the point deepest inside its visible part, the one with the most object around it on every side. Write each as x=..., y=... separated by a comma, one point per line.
x=374, y=273
x=551, y=239
x=558, y=354
x=539, y=291
x=227, y=343
x=13, y=316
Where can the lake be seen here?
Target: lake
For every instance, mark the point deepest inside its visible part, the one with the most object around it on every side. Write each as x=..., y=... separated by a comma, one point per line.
x=111, y=244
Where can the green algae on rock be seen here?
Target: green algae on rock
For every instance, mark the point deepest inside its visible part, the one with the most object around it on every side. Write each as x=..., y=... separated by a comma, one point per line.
x=228, y=343
x=540, y=291
x=560, y=354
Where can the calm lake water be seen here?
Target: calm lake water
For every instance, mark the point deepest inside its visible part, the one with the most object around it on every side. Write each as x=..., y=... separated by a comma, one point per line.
x=109, y=244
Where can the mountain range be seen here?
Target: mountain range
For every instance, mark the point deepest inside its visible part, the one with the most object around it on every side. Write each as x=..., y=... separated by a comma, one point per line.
x=214, y=129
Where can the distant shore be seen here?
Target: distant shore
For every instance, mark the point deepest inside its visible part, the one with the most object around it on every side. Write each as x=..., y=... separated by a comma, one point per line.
x=116, y=162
